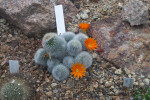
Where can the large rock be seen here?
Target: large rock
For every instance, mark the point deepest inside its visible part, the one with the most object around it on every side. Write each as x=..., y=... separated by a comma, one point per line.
x=135, y=12
x=35, y=16
x=123, y=45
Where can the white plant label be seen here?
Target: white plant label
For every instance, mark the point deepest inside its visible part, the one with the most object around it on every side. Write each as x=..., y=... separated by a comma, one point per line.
x=60, y=23
x=128, y=82
x=14, y=66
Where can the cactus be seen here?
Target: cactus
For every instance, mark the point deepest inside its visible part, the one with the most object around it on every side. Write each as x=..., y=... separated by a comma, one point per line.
x=68, y=36
x=74, y=47
x=54, y=45
x=41, y=57
x=68, y=61
x=51, y=63
x=81, y=37
x=60, y=72
x=15, y=89
x=84, y=58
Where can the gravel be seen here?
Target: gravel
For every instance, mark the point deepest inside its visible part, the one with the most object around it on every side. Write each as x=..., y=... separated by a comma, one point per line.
x=103, y=81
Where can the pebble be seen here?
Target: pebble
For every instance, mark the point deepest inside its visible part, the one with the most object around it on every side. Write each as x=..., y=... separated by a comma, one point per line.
x=84, y=16
x=149, y=76
x=136, y=83
x=141, y=84
x=53, y=85
x=55, y=91
x=146, y=81
x=95, y=85
x=94, y=55
x=108, y=84
x=118, y=71
x=49, y=93
x=127, y=71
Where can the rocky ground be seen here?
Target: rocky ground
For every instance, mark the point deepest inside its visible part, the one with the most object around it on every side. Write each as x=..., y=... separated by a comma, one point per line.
x=103, y=80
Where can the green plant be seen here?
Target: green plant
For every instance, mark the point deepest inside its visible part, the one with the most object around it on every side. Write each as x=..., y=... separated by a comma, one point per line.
x=15, y=89
x=41, y=57
x=54, y=45
x=84, y=58
x=68, y=36
x=60, y=72
x=74, y=47
x=81, y=37
x=63, y=49
x=51, y=63
x=142, y=94
x=68, y=61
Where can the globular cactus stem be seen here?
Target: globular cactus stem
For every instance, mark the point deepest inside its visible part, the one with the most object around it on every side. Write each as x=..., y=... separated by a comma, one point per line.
x=74, y=47
x=15, y=89
x=68, y=36
x=81, y=37
x=51, y=63
x=60, y=72
x=68, y=61
x=54, y=45
x=41, y=57
x=84, y=58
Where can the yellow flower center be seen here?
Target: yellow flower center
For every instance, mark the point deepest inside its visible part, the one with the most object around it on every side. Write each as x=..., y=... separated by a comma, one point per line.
x=77, y=70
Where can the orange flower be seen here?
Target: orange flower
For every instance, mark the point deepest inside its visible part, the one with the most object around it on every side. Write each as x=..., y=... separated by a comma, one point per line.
x=84, y=26
x=78, y=70
x=90, y=43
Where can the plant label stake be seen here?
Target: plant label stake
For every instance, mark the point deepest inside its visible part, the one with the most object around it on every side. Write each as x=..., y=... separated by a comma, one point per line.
x=60, y=19
x=128, y=82
x=14, y=66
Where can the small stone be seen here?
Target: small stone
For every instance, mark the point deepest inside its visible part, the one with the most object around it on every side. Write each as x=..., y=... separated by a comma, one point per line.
x=55, y=91
x=120, y=5
x=3, y=76
x=108, y=84
x=78, y=16
x=94, y=55
x=87, y=11
x=84, y=16
x=141, y=84
x=116, y=91
x=53, y=85
x=49, y=93
x=47, y=80
x=149, y=76
x=127, y=71
x=95, y=85
x=136, y=83
x=146, y=81
x=118, y=71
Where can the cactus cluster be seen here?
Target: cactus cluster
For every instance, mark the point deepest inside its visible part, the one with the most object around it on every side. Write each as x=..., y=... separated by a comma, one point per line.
x=62, y=52
x=15, y=89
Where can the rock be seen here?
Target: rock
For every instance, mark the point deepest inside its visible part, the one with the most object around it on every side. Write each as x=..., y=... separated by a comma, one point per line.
x=135, y=12
x=84, y=16
x=94, y=55
x=95, y=85
x=149, y=75
x=53, y=85
x=146, y=81
x=49, y=93
x=35, y=16
x=136, y=83
x=123, y=45
x=118, y=71
x=127, y=71
x=141, y=84
x=108, y=84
